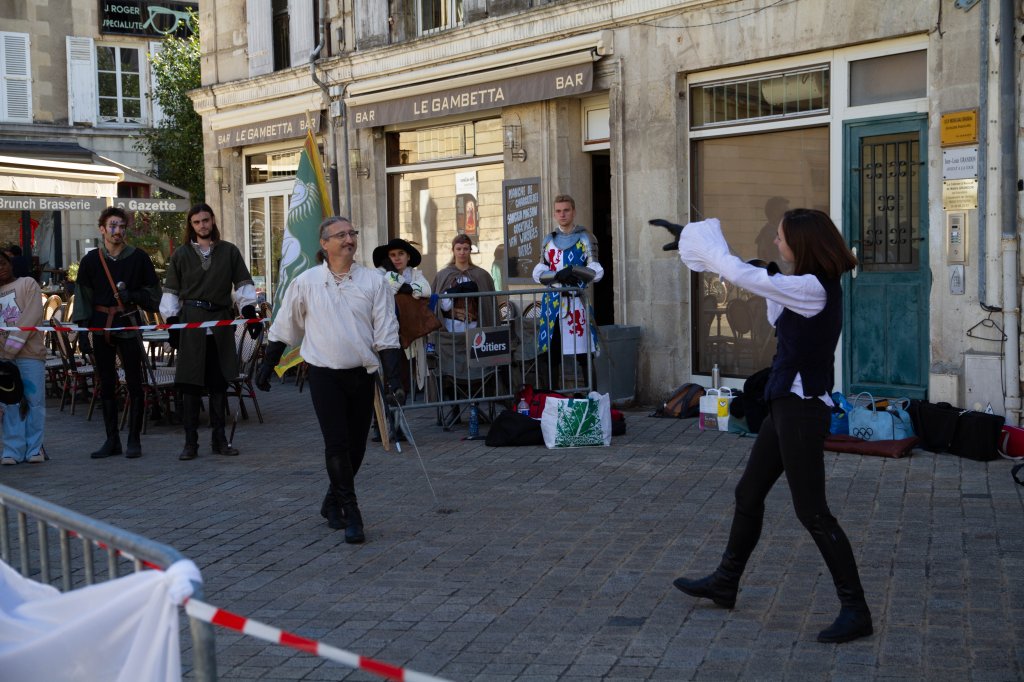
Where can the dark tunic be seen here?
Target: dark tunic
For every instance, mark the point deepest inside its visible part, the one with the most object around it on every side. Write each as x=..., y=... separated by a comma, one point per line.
x=92, y=288
x=191, y=280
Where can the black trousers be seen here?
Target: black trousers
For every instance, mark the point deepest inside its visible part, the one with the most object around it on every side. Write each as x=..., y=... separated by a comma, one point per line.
x=343, y=402
x=791, y=442
x=130, y=350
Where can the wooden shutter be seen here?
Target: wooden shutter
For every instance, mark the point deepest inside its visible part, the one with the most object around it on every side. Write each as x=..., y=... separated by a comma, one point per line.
x=83, y=104
x=300, y=30
x=17, y=78
x=259, y=15
x=158, y=113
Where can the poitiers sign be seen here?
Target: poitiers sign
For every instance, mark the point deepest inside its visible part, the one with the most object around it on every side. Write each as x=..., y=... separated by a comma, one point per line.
x=489, y=346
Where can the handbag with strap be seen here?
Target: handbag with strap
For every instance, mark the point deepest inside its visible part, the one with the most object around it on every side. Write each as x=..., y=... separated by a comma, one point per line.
x=870, y=423
x=415, y=318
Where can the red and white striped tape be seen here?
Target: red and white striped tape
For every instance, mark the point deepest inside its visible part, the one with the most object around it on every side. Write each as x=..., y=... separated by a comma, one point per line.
x=254, y=628
x=232, y=621
x=140, y=327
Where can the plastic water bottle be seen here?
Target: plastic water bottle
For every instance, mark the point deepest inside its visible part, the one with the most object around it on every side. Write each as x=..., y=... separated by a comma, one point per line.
x=523, y=407
x=474, y=421
x=715, y=377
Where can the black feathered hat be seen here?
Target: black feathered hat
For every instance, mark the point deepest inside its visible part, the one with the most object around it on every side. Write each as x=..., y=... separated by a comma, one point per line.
x=380, y=254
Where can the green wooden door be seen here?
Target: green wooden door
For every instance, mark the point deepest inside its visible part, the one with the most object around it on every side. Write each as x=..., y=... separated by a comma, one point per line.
x=886, y=223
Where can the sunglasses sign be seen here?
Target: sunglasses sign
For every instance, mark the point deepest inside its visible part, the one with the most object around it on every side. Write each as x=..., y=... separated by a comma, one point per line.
x=152, y=18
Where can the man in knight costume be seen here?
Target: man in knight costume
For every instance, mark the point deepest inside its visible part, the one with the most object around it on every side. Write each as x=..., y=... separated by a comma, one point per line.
x=567, y=315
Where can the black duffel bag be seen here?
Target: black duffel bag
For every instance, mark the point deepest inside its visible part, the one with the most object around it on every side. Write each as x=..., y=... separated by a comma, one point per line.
x=510, y=428
x=966, y=433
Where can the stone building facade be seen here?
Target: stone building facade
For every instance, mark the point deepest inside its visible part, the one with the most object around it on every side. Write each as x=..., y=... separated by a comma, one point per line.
x=75, y=91
x=448, y=116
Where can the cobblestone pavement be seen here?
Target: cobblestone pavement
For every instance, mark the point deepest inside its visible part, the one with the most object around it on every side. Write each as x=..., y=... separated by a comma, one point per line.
x=557, y=565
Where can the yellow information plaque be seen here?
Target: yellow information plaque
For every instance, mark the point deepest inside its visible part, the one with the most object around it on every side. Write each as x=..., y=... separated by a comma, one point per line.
x=959, y=127
x=959, y=195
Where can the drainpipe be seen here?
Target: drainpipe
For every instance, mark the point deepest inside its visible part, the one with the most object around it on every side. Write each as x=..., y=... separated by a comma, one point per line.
x=1008, y=206
x=984, y=83
x=331, y=141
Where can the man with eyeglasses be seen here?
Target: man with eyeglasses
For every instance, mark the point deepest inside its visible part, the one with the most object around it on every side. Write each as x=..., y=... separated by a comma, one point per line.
x=201, y=275
x=114, y=281
x=343, y=314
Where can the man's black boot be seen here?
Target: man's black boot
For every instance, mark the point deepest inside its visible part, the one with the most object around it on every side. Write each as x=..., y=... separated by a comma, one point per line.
x=854, y=619
x=190, y=421
x=112, y=445
x=219, y=442
x=720, y=587
x=354, y=534
x=136, y=413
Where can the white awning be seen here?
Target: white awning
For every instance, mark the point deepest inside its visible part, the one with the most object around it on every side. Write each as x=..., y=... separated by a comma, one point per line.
x=23, y=175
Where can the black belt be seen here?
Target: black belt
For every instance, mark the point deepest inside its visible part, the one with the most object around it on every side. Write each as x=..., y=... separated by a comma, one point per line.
x=205, y=305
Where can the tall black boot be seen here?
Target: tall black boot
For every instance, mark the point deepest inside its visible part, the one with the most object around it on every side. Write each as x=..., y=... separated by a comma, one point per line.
x=332, y=510
x=722, y=585
x=112, y=445
x=219, y=441
x=190, y=404
x=354, y=534
x=136, y=413
x=854, y=619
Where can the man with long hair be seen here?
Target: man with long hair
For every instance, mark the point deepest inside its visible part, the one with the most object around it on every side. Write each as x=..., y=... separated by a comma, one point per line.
x=201, y=275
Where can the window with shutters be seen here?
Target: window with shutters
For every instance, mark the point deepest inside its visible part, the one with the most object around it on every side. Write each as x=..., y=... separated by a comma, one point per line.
x=119, y=84
x=437, y=15
x=16, y=76
x=281, y=35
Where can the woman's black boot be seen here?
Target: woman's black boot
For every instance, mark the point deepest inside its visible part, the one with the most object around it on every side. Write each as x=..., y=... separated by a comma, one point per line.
x=354, y=534
x=854, y=619
x=332, y=510
x=720, y=587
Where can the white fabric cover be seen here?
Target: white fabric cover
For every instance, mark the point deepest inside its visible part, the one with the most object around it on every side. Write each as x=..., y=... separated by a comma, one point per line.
x=124, y=629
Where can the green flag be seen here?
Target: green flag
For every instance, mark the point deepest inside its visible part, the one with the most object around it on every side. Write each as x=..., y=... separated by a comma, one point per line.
x=309, y=205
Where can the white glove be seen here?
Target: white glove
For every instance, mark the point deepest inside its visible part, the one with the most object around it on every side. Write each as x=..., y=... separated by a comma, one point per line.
x=417, y=290
x=394, y=281
x=702, y=247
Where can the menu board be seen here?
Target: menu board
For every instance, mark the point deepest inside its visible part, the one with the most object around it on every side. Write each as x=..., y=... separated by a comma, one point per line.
x=520, y=202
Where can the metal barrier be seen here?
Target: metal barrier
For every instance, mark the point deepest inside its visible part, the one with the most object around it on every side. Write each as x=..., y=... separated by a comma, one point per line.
x=34, y=557
x=491, y=360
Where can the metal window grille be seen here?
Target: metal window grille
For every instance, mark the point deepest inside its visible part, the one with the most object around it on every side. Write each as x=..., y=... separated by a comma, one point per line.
x=890, y=214
x=789, y=94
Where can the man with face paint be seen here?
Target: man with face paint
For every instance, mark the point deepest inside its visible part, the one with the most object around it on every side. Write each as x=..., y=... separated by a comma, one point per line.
x=107, y=293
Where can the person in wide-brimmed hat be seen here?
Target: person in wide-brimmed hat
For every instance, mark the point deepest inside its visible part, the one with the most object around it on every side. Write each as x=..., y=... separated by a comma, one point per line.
x=398, y=260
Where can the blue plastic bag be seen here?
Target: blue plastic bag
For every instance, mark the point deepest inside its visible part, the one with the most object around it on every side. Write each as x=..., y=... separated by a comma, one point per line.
x=840, y=414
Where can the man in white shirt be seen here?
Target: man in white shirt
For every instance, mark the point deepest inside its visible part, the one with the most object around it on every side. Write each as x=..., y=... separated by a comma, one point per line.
x=341, y=313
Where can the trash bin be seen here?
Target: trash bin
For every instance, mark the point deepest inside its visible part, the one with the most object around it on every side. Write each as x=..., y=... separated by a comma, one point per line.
x=615, y=367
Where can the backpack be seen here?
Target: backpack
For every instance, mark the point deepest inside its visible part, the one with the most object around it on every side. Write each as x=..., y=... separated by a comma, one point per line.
x=750, y=404
x=684, y=403
x=535, y=398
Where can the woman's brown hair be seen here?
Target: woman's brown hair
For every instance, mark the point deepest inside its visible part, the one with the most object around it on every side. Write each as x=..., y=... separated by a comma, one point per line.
x=460, y=239
x=817, y=245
